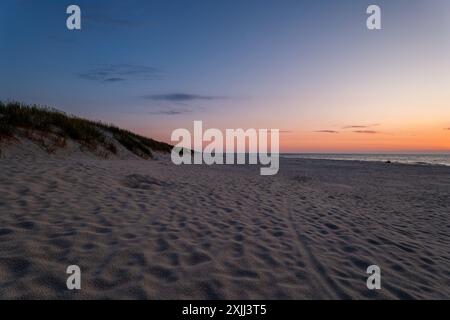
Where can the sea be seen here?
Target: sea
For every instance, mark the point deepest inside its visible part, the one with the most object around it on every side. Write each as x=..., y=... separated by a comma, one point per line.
x=442, y=159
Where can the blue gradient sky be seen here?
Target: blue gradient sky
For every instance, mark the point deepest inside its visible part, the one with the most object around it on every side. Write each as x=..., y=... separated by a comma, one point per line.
x=309, y=68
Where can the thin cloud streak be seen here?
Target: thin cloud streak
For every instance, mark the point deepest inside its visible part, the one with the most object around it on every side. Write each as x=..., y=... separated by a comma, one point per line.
x=360, y=126
x=181, y=97
x=114, y=79
x=172, y=112
x=111, y=21
x=120, y=72
x=327, y=131
x=366, y=131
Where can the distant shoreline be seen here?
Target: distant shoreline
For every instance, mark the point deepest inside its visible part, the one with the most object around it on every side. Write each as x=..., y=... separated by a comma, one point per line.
x=407, y=159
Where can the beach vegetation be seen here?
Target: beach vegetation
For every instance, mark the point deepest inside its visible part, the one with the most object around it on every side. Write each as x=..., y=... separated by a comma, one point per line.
x=50, y=128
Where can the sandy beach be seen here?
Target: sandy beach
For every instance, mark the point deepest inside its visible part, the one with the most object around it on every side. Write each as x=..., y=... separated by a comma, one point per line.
x=152, y=230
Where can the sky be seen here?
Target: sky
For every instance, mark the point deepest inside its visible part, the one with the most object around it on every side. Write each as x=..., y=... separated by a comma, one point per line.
x=309, y=68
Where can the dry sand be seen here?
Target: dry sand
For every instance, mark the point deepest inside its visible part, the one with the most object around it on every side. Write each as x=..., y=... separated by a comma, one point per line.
x=152, y=230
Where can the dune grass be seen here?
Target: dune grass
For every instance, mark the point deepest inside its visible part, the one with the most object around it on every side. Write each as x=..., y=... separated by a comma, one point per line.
x=16, y=117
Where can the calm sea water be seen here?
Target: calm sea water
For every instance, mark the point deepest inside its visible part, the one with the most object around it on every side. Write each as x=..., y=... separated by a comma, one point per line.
x=431, y=159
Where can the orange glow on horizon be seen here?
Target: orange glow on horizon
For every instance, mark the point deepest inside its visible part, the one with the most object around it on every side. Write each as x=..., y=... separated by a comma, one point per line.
x=432, y=140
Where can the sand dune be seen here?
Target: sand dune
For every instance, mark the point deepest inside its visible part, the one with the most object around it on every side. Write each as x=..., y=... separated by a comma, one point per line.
x=151, y=230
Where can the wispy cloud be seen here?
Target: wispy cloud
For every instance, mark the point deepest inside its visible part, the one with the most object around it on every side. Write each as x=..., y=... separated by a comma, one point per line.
x=118, y=15
x=446, y=128
x=327, y=131
x=114, y=79
x=171, y=112
x=109, y=20
x=360, y=126
x=181, y=97
x=280, y=131
x=366, y=131
x=120, y=72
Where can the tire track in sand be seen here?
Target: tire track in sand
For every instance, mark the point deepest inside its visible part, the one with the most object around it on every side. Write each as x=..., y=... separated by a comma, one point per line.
x=324, y=287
